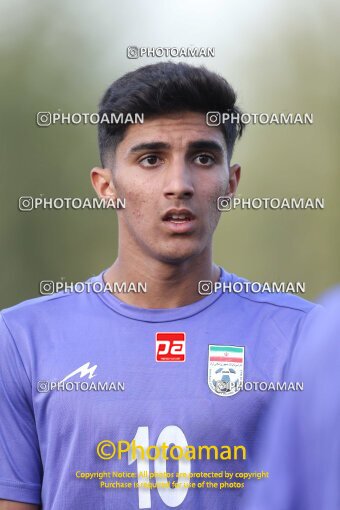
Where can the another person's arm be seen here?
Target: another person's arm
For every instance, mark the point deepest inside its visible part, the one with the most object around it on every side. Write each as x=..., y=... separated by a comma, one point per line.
x=15, y=505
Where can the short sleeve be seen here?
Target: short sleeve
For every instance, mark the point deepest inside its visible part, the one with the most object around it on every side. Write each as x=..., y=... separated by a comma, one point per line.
x=20, y=462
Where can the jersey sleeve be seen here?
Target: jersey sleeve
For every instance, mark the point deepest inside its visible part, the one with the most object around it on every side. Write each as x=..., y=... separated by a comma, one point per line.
x=20, y=462
x=305, y=327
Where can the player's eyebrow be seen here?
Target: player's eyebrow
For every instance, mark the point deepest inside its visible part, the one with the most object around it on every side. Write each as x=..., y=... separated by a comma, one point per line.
x=150, y=146
x=207, y=145
x=196, y=145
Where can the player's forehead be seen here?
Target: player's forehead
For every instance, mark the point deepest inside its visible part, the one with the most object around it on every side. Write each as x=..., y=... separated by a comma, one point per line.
x=179, y=131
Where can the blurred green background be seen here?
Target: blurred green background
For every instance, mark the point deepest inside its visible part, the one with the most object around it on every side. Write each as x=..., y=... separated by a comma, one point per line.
x=280, y=57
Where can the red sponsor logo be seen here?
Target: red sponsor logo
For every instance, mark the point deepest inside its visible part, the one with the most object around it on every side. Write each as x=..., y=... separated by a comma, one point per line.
x=170, y=346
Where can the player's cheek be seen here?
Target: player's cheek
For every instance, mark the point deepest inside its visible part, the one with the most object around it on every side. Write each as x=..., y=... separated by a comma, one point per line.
x=212, y=214
x=210, y=200
x=221, y=184
x=137, y=205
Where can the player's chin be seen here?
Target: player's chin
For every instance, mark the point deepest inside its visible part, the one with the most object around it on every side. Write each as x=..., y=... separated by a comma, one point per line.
x=180, y=250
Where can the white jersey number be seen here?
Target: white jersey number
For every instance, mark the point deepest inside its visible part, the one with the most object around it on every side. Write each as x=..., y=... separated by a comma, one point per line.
x=171, y=497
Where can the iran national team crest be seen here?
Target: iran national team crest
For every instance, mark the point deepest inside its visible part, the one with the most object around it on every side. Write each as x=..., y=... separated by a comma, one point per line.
x=225, y=369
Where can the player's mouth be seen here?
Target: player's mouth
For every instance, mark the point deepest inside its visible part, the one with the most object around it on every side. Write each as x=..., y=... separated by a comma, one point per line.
x=180, y=221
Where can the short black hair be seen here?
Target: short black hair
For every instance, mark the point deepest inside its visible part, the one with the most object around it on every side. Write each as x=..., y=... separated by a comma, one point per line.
x=167, y=87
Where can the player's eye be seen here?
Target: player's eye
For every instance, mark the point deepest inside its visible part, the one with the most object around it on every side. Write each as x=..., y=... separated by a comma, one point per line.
x=149, y=161
x=204, y=160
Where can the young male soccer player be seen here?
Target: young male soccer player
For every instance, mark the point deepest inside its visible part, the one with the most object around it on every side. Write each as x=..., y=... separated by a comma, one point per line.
x=164, y=367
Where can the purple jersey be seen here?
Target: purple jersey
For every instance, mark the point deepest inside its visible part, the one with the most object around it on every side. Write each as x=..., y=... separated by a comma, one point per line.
x=79, y=369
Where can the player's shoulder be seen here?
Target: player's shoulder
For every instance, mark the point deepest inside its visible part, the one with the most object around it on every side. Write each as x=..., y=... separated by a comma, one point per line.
x=273, y=296
x=35, y=306
x=56, y=305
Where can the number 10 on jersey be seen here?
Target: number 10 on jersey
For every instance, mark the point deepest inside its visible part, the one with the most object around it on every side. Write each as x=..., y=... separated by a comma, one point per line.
x=171, y=497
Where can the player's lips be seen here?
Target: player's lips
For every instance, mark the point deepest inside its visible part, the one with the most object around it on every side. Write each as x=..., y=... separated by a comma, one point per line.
x=180, y=221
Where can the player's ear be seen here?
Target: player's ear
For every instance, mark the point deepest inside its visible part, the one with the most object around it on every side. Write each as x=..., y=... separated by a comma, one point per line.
x=101, y=179
x=234, y=178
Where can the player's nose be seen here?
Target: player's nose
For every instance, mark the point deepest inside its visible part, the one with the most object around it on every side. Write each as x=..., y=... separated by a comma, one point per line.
x=178, y=181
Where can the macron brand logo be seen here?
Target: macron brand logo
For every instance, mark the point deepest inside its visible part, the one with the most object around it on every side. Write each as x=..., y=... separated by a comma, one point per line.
x=170, y=346
x=83, y=371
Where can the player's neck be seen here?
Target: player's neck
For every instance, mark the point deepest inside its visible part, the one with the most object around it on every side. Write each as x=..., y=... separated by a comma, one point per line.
x=167, y=285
